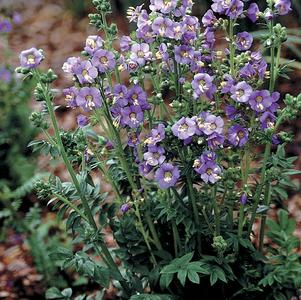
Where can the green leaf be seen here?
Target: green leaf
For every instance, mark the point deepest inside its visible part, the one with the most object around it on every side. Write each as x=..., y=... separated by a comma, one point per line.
x=54, y=293
x=152, y=297
x=182, y=274
x=67, y=293
x=213, y=278
x=193, y=277
x=165, y=280
x=102, y=276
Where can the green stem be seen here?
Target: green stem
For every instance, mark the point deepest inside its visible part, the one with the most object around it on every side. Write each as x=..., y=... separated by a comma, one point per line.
x=175, y=232
x=232, y=47
x=267, y=199
x=216, y=211
x=82, y=197
x=259, y=187
x=153, y=230
x=144, y=234
x=195, y=211
x=71, y=205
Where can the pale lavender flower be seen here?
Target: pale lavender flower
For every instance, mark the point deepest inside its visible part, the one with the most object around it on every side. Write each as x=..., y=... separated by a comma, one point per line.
x=213, y=124
x=5, y=75
x=183, y=54
x=157, y=135
x=125, y=42
x=167, y=175
x=209, y=19
x=85, y=72
x=82, y=120
x=89, y=98
x=70, y=64
x=154, y=156
x=215, y=140
x=267, y=120
x=260, y=100
x=30, y=58
x=241, y=92
x=93, y=43
x=253, y=12
x=202, y=85
x=104, y=60
x=5, y=26
x=70, y=96
x=244, y=41
x=283, y=7
x=184, y=128
x=237, y=135
x=131, y=116
x=140, y=53
x=209, y=171
x=164, y=6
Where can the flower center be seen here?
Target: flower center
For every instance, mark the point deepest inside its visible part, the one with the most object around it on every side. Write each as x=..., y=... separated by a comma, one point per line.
x=167, y=176
x=103, y=59
x=240, y=134
x=91, y=43
x=259, y=99
x=140, y=53
x=209, y=171
x=30, y=59
x=240, y=93
x=183, y=127
x=133, y=116
x=213, y=126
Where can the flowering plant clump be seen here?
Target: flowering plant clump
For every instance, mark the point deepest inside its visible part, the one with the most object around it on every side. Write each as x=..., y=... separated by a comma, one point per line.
x=185, y=116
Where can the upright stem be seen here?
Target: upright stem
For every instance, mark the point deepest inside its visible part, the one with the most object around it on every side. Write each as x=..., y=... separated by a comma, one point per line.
x=267, y=199
x=232, y=47
x=260, y=186
x=216, y=211
x=82, y=197
x=175, y=232
x=195, y=211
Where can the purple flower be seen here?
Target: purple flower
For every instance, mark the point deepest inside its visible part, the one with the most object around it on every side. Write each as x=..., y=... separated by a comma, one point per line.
x=89, y=98
x=274, y=106
x=227, y=84
x=93, y=43
x=163, y=27
x=30, y=58
x=70, y=64
x=85, y=72
x=208, y=156
x=237, y=135
x=202, y=85
x=260, y=100
x=5, y=75
x=213, y=124
x=244, y=41
x=231, y=112
x=125, y=42
x=133, y=138
x=154, y=156
x=5, y=26
x=119, y=95
x=283, y=7
x=235, y=10
x=82, y=120
x=183, y=54
x=253, y=12
x=215, y=141
x=104, y=60
x=269, y=15
x=145, y=169
x=167, y=175
x=241, y=92
x=209, y=19
x=136, y=96
x=157, y=135
x=209, y=171
x=184, y=128
x=200, y=122
x=131, y=116
x=140, y=53
x=244, y=199
x=70, y=96
x=267, y=120
x=17, y=18
x=125, y=208
x=164, y=6
x=191, y=25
